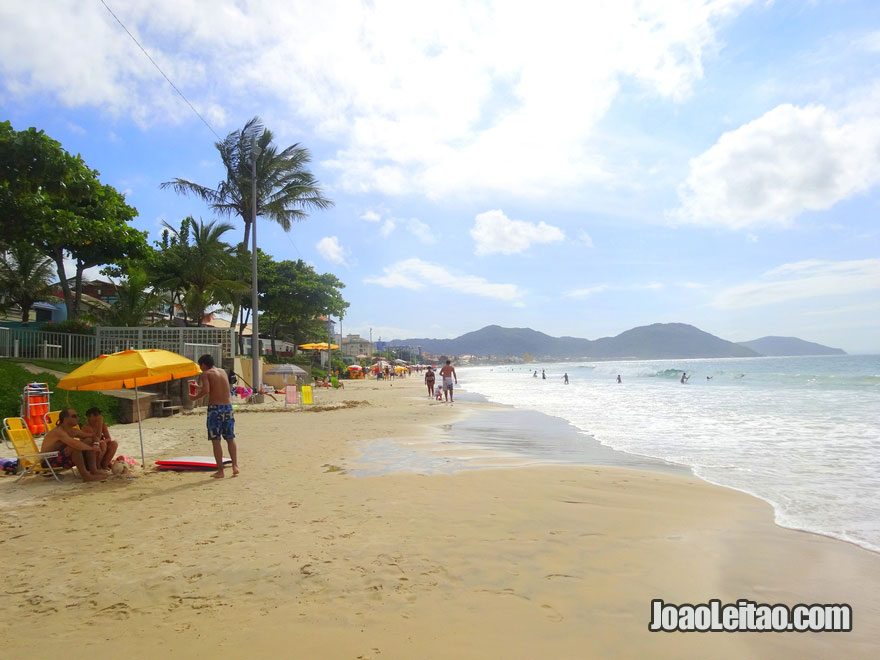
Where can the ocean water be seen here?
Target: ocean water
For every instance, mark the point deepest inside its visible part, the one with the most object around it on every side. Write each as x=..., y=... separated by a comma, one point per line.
x=802, y=433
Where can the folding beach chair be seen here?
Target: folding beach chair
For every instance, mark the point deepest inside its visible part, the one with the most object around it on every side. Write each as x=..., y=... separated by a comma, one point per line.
x=52, y=419
x=29, y=457
x=291, y=396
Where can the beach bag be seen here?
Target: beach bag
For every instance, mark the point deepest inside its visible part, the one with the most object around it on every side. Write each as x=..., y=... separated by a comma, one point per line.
x=10, y=465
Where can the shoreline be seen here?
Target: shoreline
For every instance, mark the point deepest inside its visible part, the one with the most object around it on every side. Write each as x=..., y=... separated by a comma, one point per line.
x=300, y=556
x=494, y=435
x=781, y=516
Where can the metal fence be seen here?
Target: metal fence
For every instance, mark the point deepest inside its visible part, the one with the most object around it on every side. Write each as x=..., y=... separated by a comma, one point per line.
x=195, y=351
x=40, y=345
x=111, y=340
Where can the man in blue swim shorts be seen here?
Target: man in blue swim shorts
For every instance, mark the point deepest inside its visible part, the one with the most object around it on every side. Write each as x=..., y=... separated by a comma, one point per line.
x=221, y=424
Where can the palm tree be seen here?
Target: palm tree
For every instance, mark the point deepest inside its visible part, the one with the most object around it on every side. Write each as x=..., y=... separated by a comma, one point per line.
x=285, y=188
x=25, y=277
x=134, y=304
x=202, y=260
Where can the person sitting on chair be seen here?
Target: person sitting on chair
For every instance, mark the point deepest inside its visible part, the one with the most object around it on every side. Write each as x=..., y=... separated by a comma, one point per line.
x=95, y=424
x=72, y=451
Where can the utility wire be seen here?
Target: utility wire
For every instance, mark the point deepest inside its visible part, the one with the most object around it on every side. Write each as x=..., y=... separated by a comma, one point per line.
x=160, y=71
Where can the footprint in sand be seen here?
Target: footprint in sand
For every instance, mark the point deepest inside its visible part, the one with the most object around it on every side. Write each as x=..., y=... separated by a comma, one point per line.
x=117, y=611
x=552, y=614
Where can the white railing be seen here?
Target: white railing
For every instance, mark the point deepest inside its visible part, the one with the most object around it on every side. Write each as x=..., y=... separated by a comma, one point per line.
x=111, y=340
x=41, y=345
x=195, y=351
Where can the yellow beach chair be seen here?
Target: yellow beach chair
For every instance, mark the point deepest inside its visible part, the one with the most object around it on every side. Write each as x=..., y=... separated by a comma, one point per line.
x=52, y=419
x=29, y=457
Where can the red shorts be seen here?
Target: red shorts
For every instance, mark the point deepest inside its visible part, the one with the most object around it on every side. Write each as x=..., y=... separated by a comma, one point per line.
x=63, y=461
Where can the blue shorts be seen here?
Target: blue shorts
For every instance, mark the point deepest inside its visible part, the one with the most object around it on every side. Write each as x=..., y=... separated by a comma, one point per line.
x=220, y=422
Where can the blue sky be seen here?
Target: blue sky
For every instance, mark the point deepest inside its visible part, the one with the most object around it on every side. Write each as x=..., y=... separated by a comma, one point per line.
x=579, y=170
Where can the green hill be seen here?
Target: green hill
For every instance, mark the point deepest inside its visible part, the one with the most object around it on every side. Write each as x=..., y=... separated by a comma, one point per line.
x=787, y=346
x=660, y=340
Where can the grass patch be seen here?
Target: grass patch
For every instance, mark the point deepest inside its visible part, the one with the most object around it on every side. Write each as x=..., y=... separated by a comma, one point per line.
x=14, y=378
x=52, y=365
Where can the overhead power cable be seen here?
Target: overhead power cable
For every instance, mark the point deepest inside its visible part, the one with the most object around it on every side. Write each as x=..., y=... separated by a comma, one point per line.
x=191, y=107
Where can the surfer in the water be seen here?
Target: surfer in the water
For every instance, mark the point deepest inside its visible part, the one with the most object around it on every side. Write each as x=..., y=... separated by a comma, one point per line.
x=684, y=377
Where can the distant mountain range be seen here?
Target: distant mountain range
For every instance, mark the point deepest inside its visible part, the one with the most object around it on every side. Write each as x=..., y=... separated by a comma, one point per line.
x=657, y=341
x=788, y=346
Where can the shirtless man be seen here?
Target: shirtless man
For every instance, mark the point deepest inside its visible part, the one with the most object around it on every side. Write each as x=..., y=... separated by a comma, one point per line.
x=95, y=424
x=72, y=451
x=215, y=383
x=447, y=372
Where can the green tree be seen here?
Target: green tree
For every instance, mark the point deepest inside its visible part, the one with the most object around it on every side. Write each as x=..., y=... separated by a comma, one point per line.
x=25, y=278
x=286, y=189
x=135, y=303
x=197, y=264
x=55, y=202
x=293, y=297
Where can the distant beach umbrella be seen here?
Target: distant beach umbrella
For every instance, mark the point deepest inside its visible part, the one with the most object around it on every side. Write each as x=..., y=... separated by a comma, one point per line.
x=289, y=369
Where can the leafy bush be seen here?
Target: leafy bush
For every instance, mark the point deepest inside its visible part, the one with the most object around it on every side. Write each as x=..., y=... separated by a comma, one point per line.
x=14, y=378
x=71, y=327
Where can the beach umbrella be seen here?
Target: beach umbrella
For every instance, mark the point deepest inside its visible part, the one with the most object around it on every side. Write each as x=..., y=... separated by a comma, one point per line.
x=128, y=369
x=318, y=346
x=355, y=367
x=286, y=369
x=322, y=346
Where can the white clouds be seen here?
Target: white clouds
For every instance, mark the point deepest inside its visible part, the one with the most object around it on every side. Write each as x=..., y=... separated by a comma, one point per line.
x=413, y=226
x=387, y=227
x=421, y=231
x=601, y=288
x=78, y=53
x=585, y=239
x=790, y=160
x=415, y=274
x=329, y=248
x=588, y=291
x=803, y=280
x=495, y=232
x=435, y=99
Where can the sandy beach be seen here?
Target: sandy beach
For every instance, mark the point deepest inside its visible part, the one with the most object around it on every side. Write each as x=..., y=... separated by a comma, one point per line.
x=300, y=557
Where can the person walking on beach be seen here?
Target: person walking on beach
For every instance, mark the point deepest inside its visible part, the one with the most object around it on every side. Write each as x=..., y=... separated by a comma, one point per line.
x=430, y=376
x=543, y=375
x=565, y=377
x=215, y=383
x=447, y=372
